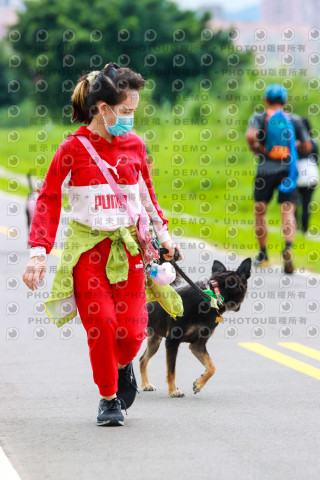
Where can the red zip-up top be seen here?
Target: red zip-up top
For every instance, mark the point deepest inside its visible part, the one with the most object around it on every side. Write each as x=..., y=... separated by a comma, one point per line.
x=91, y=199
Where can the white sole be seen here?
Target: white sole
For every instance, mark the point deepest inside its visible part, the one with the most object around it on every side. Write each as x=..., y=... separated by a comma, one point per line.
x=110, y=423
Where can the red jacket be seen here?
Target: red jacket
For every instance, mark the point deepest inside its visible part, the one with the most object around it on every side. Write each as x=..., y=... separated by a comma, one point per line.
x=92, y=201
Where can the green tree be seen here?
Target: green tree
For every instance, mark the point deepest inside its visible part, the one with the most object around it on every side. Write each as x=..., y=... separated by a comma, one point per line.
x=61, y=40
x=12, y=84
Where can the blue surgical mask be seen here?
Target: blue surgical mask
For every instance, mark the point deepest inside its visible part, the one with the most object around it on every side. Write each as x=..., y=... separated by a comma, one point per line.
x=123, y=124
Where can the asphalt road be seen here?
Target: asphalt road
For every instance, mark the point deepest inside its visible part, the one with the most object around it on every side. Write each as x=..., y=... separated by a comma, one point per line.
x=257, y=418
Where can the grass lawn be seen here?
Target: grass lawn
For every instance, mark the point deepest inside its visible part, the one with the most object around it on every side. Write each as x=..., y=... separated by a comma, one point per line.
x=203, y=180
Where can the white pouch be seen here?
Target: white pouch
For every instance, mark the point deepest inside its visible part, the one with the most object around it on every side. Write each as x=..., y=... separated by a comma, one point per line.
x=308, y=173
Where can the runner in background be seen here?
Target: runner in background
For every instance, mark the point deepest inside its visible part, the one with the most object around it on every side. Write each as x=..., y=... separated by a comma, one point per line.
x=308, y=179
x=273, y=168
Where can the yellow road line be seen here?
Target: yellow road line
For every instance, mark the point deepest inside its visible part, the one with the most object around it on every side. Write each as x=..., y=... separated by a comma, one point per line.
x=283, y=359
x=299, y=348
x=4, y=229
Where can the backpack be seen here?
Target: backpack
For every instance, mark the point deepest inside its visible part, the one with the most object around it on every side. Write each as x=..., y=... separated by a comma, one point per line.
x=279, y=143
x=276, y=142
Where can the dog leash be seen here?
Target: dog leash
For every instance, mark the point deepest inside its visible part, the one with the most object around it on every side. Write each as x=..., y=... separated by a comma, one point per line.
x=206, y=294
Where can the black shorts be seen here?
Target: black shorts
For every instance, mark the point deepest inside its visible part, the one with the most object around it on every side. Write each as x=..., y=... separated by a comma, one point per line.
x=264, y=186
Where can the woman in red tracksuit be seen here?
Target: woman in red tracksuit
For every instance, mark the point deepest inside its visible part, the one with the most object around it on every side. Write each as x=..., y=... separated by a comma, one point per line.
x=105, y=101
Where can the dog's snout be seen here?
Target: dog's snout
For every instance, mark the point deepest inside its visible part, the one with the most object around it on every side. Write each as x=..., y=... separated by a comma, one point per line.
x=233, y=306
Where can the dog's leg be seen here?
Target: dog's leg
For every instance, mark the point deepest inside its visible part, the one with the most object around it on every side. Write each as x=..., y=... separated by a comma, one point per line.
x=171, y=355
x=199, y=350
x=152, y=347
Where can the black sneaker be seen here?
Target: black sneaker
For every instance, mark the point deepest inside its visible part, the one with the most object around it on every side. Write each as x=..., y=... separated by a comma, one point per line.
x=109, y=413
x=127, y=386
x=287, y=256
x=261, y=260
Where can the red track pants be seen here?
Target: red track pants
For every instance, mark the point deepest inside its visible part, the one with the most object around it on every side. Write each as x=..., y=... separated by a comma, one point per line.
x=114, y=316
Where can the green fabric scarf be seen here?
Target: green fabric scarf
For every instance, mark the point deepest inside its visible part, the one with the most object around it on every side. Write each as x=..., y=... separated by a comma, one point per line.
x=61, y=305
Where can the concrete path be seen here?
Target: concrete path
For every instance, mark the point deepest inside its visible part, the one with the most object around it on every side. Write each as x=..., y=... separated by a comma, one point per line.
x=258, y=417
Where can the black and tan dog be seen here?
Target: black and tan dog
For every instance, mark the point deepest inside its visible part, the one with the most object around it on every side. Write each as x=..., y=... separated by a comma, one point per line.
x=195, y=326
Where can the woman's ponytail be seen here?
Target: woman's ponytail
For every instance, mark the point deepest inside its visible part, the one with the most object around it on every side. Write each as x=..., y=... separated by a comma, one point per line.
x=80, y=112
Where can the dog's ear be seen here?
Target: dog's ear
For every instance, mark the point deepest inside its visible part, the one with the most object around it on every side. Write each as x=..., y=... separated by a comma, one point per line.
x=218, y=267
x=244, y=270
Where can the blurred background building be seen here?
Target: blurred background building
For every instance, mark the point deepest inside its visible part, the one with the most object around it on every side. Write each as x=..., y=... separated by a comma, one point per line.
x=282, y=33
x=292, y=12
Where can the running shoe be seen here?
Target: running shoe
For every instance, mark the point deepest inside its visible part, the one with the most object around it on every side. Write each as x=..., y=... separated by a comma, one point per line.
x=261, y=260
x=127, y=386
x=287, y=256
x=109, y=413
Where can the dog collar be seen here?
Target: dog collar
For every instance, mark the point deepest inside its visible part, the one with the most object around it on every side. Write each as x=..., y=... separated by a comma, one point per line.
x=216, y=290
x=219, y=298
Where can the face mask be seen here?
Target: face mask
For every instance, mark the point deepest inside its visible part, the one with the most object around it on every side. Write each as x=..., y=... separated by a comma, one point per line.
x=123, y=124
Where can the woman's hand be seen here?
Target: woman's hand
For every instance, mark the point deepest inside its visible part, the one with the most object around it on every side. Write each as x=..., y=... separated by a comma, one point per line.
x=35, y=271
x=171, y=246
